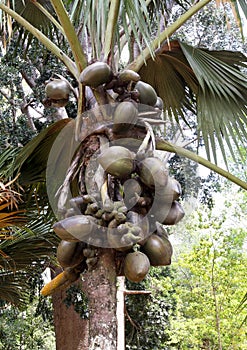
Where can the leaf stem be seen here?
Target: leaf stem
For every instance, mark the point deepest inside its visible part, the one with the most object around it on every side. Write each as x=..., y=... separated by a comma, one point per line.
x=48, y=15
x=111, y=27
x=43, y=39
x=169, y=147
x=165, y=34
x=69, y=30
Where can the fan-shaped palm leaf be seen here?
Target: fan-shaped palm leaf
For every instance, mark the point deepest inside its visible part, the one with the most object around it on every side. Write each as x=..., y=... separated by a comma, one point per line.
x=180, y=73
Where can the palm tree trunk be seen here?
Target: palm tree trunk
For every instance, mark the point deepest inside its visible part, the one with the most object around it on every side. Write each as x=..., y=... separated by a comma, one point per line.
x=100, y=287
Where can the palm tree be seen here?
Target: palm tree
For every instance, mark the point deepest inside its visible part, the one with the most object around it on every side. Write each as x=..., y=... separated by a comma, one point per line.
x=25, y=242
x=189, y=80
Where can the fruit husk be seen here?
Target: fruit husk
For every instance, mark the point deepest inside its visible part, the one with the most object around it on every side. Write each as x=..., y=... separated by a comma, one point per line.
x=153, y=172
x=96, y=74
x=70, y=254
x=125, y=117
x=75, y=228
x=159, y=103
x=57, y=89
x=147, y=95
x=136, y=266
x=117, y=161
x=158, y=250
x=169, y=193
x=128, y=75
x=175, y=214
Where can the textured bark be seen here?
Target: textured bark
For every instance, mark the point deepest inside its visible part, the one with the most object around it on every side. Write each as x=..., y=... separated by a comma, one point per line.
x=71, y=330
x=100, y=287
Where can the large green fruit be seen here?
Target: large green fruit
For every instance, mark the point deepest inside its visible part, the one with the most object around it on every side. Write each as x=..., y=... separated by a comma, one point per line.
x=117, y=161
x=158, y=250
x=125, y=117
x=70, y=254
x=57, y=89
x=147, y=93
x=169, y=193
x=153, y=172
x=128, y=75
x=136, y=266
x=96, y=74
x=75, y=228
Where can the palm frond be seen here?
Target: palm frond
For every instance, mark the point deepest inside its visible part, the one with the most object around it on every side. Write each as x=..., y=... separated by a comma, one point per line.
x=32, y=160
x=32, y=13
x=14, y=288
x=28, y=247
x=180, y=71
x=26, y=252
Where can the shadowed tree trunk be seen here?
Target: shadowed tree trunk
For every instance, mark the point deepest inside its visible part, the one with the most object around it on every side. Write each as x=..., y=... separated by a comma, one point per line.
x=70, y=329
x=100, y=287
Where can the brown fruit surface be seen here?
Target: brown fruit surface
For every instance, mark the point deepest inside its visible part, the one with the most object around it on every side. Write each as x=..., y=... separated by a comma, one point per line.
x=136, y=266
x=125, y=116
x=57, y=89
x=96, y=74
x=117, y=161
x=175, y=214
x=75, y=228
x=147, y=95
x=158, y=250
x=153, y=172
x=70, y=254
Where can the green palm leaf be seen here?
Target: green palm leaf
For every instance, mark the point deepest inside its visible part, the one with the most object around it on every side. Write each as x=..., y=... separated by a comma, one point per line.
x=27, y=252
x=191, y=78
x=32, y=160
x=14, y=288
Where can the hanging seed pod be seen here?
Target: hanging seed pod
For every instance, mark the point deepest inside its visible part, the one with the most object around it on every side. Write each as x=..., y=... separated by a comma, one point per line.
x=147, y=95
x=171, y=192
x=96, y=74
x=159, y=103
x=153, y=172
x=158, y=250
x=70, y=254
x=59, y=103
x=117, y=161
x=175, y=214
x=136, y=266
x=125, y=117
x=75, y=228
x=128, y=75
x=57, y=89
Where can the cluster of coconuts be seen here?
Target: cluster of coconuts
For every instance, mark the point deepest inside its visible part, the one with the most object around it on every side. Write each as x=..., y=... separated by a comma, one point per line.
x=145, y=198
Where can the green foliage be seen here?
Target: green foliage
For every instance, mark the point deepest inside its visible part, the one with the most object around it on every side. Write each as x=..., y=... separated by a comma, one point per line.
x=25, y=329
x=210, y=277
x=147, y=320
x=75, y=297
